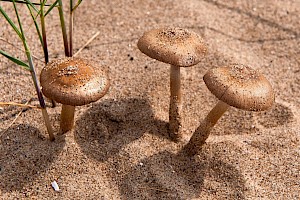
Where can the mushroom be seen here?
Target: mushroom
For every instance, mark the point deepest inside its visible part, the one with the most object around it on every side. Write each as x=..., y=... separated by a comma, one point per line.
x=180, y=48
x=236, y=85
x=73, y=82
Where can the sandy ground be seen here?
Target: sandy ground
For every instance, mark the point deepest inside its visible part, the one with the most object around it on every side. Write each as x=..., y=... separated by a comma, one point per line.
x=120, y=148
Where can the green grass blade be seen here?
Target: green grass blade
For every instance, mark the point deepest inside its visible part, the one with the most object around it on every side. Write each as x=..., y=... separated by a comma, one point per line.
x=24, y=2
x=35, y=24
x=63, y=27
x=77, y=4
x=19, y=22
x=12, y=24
x=44, y=35
x=51, y=7
x=15, y=60
x=31, y=68
x=31, y=4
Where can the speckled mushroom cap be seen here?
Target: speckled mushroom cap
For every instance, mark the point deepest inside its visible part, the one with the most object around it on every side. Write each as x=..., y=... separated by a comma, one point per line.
x=241, y=87
x=74, y=81
x=175, y=46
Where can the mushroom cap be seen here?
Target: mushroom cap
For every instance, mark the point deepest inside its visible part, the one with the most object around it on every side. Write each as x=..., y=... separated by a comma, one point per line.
x=74, y=81
x=241, y=87
x=175, y=46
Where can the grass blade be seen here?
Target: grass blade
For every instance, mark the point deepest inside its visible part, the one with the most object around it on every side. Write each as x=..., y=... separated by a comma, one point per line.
x=32, y=72
x=43, y=25
x=77, y=4
x=24, y=2
x=15, y=60
x=36, y=24
x=63, y=28
x=12, y=24
x=71, y=22
x=19, y=22
x=51, y=7
x=31, y=4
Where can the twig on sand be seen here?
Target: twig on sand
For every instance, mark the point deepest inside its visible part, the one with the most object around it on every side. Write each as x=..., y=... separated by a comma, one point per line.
x=18, y=115
x=19, y=104
x=156, y=189
x=87, y=43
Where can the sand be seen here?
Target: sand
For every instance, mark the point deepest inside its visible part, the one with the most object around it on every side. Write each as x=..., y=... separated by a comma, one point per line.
x=120, y=146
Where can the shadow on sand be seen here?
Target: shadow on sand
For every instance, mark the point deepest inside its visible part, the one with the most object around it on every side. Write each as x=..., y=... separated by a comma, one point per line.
x=236, y=121
x=108, y=126
x=169, y=176
x=25, y=155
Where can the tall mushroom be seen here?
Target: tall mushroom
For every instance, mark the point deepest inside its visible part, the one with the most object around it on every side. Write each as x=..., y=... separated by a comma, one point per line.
x=238, y=86
x=180, y=48
x=73, y=82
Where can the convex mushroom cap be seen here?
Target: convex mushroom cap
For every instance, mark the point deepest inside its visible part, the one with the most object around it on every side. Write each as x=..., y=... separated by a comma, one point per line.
x=74, y=81
x=176, y=46
x=240, y=86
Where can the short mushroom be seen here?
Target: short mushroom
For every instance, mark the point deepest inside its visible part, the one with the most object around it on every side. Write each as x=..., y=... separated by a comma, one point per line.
x=73, y=82
x=180, y=48
x=238, y=86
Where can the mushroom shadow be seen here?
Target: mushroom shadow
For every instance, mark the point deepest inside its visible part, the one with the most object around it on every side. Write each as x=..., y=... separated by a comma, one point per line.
x=277, y=116
x=108, y=126
x=170, y=176
x=235, y=121
x=25, y=155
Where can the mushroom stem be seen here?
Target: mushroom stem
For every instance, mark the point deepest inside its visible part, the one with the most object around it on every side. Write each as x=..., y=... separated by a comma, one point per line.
x=175, y=104
x=67, y=118
x=202, y=132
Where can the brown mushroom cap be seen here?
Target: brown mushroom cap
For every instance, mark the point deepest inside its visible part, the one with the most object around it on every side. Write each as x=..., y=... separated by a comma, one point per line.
x=74, y=81
x=241, y=87
x=175, y=46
